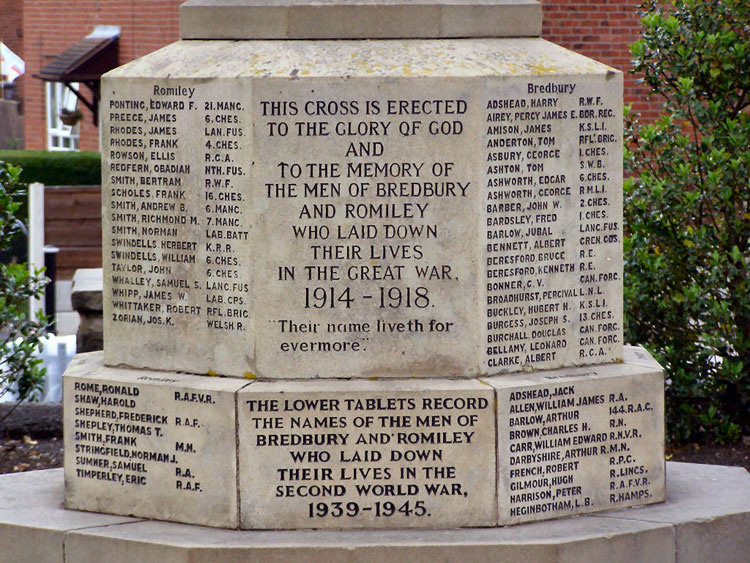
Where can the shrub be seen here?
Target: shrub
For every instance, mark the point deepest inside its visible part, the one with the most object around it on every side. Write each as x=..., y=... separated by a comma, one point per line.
x=687, y=214
x=56, y=168
x=20, y=366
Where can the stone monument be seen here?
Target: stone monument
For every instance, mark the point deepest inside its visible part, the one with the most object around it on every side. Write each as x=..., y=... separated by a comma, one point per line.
x=362, y=269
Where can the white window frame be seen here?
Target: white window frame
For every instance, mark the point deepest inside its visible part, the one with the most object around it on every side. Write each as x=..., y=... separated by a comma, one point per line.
x=61, y=137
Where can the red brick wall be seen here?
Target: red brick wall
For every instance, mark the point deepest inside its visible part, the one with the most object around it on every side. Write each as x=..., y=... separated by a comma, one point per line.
x=11, y=32
x=11, y=25
x=601, y=29
x=51, y=26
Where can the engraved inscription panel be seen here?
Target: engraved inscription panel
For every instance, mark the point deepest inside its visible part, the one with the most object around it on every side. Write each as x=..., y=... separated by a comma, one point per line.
x=553, y=222
x=388, y=455
x=367, y=198
x=307, y=226
x=577, y=441
x=154, y=444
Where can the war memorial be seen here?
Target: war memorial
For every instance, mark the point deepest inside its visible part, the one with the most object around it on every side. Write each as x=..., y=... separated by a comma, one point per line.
x=363, y=275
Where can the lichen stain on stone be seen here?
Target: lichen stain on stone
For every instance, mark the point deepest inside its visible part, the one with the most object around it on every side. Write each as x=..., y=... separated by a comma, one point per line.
x=542, y=68
x=211, y=373
x=250, y=375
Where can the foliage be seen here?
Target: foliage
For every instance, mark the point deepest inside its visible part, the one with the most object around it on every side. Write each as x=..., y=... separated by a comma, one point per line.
x=20, y=366
x=56, y=168
x=687, y=214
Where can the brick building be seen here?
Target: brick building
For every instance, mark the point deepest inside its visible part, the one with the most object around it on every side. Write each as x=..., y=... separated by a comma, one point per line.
x=601, y=29
x=40, y=30
x=11, y=25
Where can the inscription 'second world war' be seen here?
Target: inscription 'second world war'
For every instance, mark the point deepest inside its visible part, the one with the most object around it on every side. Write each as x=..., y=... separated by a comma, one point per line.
x=320, y=228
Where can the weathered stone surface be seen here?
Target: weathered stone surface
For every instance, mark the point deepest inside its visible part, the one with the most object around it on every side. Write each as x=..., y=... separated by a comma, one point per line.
x=33, y=522
x=373, y=454
x=86, y=293
x=152, y=444
x=379, y=19
x=348, y=209
x=34, y=527
x=707, y=526
x=579, y=440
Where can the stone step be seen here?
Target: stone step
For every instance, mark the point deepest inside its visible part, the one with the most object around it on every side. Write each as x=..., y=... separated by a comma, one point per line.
x=706, y=518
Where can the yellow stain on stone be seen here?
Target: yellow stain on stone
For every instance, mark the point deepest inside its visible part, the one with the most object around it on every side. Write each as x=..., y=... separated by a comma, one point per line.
x=542, y=68
x=250, y=375
x=211, y=373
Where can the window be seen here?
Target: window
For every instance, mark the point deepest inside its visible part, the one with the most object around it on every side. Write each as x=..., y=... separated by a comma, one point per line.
x=61, y=137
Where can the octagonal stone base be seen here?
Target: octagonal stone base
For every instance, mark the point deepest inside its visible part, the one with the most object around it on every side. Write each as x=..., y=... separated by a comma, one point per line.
x=334, y=209
x=705, y=518
x=420, y=453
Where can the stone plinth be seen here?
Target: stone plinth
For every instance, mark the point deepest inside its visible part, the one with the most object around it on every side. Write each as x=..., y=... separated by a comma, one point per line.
x=362, y=209
x=422, y=453
x=705, y=518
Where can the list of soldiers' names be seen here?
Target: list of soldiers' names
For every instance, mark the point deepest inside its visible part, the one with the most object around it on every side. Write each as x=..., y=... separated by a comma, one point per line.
x=329, y=224
x=553, y=232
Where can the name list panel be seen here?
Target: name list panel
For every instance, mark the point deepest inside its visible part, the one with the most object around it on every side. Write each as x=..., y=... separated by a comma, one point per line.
x=552, y=222
x=154, y=443
x=177, y=256
x=363, y=227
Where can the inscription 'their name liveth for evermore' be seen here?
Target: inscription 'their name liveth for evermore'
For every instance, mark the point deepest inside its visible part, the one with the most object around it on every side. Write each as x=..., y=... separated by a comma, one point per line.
x=328, y=223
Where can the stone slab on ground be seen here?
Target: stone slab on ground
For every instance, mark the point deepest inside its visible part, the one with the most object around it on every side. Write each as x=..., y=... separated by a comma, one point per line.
x=706, y=530
x=378, y=19
x=33, y=522
x=707, y=512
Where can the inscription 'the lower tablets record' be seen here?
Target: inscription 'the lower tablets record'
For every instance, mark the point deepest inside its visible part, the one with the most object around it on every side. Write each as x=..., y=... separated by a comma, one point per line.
x=325, y=228
x=393, y=454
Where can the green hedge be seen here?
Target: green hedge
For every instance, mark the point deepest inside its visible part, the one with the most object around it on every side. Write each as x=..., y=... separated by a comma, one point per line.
x=56, y=168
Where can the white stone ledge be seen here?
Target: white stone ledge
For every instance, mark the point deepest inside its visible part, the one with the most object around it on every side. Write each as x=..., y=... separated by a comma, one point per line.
x=374, y=19
x=706, y=518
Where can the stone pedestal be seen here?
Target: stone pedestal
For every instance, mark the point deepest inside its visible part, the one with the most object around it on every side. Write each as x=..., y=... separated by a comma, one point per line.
x=395, y=229
x=422, y=453
x=351, y=209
